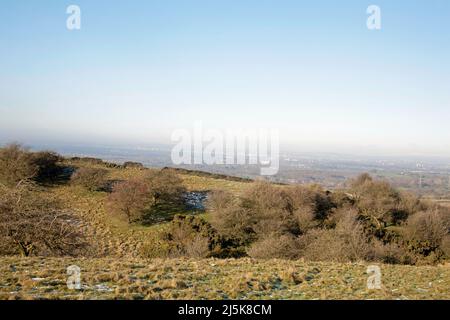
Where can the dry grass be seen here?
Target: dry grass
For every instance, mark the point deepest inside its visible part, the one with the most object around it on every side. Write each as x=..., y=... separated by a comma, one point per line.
x=38, y=278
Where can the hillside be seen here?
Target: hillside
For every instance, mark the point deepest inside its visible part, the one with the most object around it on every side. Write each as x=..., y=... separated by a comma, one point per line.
x=39, y=278
x=114, y=236
x=123, y=262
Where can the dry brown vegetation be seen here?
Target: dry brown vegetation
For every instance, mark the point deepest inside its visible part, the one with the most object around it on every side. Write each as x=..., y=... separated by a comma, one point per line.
x=109, y=278
x=143, y=216
x=130, y=198
x=32, y=223
x=371, y=221
x=93, y=179
x=18, y=163
x=135, y=198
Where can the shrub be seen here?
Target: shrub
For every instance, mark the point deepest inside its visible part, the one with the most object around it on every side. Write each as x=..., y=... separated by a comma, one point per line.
x=47, y=163
x=445, y=246
x=229, y=218
x=131, y=164
x=313, y=198
x=155, y=246
x=275, y=247
x=93, y=179
x=194, y=237
x=381, y=206
x=130, y=199
x=165, y=186
x=347, y=242
x=88, y=160
x=267, y=209
x=392, y=253
x=16, y=164
x=322, y=245
x=372, y=222
x=425, y=233
x=305, y=219
x=33, y=224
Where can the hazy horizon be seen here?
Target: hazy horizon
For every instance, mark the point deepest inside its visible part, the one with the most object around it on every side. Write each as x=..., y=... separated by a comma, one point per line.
x=137, y=71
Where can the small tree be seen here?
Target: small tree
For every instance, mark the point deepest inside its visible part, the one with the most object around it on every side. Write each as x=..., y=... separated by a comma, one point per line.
x=130, y=199
x=92, y=179
x=36, y=224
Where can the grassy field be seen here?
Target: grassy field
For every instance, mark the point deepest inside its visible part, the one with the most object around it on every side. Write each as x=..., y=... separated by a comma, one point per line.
x=39, y=278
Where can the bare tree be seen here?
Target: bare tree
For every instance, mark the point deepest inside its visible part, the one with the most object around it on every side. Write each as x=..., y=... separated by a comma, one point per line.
x=130, y=199
x=16, y=164
x=35, y=224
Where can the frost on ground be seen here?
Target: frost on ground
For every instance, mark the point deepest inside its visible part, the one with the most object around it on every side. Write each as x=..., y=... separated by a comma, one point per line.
x=41, y=278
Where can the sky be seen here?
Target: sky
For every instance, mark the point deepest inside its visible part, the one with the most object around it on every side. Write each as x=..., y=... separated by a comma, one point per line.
x=138, y=70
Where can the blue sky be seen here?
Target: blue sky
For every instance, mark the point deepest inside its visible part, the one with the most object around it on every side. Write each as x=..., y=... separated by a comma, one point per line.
x=137, y=70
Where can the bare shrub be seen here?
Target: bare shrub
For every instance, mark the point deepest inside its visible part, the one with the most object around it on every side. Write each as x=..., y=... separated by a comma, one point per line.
x=426, y=226
x=219, y=200
x=351, y=231
x=165, y=185
x=275, y=247
x=377, y=202
x=305, y=219
x=190, y=237
x=445, y=246
x=323, y=245
x=392, y=253
x=130, y=199
x=194, y=237
x=229, y=218
x=93, y=179
x=313, y=197
x=155, y=246
x=47, y=164
x=267, y=209
x=35, y=224
x=131, y=164
x=347, y=242
x=198, y=247
x=369, y=222
x=16, y=164
x=425, y=231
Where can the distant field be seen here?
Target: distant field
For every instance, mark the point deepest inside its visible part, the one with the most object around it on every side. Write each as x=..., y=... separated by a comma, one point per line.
x=39, y=278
